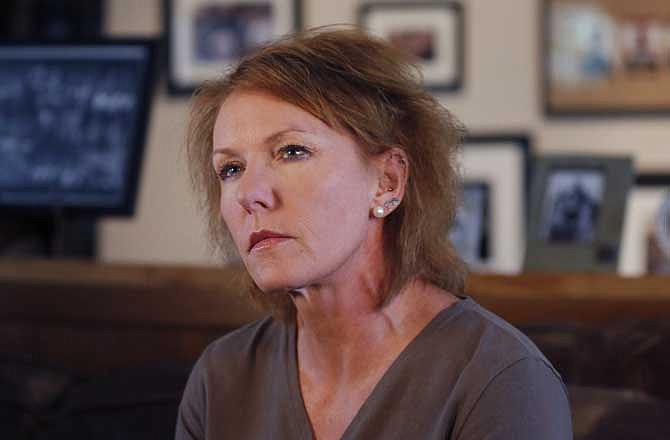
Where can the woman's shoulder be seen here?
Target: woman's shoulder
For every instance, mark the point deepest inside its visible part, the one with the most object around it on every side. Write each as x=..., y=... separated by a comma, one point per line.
x=235, y=350
x=486, y=340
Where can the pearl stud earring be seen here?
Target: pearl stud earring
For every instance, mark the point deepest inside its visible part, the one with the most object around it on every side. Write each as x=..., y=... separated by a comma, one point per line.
x=378, y=211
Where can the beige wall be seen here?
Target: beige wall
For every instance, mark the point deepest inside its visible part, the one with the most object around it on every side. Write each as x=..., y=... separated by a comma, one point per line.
x=501, y=94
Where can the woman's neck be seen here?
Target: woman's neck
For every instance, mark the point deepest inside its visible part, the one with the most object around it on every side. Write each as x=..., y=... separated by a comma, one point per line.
x=342, y=331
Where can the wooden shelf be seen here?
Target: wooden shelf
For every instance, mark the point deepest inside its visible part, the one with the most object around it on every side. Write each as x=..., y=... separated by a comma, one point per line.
x=210, y=296
x=93, y=318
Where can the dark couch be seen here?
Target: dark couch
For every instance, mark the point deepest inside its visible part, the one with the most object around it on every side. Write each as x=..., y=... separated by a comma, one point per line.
x=40, y=402
x=617, y=379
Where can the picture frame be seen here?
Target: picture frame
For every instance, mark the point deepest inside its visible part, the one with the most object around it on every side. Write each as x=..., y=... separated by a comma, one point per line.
x=205, y=38
x=432, y=33
x=494, y=171
x=642, y=208
x=606, y=57
x=577, y=210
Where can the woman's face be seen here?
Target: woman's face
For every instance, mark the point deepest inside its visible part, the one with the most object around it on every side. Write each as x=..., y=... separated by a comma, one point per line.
x=295, y=194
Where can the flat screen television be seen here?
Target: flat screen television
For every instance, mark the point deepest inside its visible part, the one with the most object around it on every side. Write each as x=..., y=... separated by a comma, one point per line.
x=73, y=120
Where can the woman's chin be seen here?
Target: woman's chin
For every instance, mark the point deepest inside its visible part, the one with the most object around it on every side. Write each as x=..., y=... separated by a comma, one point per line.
x=272, y=283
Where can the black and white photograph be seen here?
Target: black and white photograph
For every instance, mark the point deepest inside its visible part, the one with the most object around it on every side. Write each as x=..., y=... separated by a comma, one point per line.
x=572, y=205
x=430, y=33
x=471, y=230
x=577, y=209
x=207, y=37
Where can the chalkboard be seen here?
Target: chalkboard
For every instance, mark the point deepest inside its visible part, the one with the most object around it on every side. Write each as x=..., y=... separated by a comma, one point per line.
x=72, y=124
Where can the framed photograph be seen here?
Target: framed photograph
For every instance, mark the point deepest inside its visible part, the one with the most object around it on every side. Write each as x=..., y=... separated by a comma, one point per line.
x=606, y=57
x=430, y=32
x=577, y=210
x=207, y=37
x=490, y=223
x=642, y=208
x=472, y=228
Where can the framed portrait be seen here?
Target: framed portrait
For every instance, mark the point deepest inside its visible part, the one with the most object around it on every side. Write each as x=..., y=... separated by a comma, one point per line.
x=431, y=33
x=606, y=57
x=577, y=210
x=642, y=211
x=489, y=229
x=207, y=37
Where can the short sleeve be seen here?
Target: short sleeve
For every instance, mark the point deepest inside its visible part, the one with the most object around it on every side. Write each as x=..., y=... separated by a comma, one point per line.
x=525, y=401
x=192, y=409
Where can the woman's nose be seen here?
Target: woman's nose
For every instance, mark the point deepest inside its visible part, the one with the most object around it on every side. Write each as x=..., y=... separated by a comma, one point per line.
x=255, y=190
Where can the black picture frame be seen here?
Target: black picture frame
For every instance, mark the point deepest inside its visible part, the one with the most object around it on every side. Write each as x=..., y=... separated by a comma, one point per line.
x=424, y=29
x=144, y=52
x=502, y=162
x=192, y=56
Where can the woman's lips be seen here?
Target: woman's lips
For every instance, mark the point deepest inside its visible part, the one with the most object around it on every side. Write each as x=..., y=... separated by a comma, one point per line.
x=268, y=242
x=264, y=239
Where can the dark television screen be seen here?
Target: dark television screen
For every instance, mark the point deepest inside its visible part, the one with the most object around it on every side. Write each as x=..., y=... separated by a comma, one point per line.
x=72, y=125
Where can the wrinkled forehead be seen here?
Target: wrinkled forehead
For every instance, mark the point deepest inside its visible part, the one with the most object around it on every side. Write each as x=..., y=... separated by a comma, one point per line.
x=253, y=116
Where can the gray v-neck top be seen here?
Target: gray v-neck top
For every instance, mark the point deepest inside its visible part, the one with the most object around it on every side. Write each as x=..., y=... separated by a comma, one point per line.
x=467, y=375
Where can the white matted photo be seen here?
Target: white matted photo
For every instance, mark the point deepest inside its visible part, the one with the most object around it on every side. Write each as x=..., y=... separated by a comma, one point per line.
x=644, y=203
x=430, y=32
x=206, y=37
x=494, y=170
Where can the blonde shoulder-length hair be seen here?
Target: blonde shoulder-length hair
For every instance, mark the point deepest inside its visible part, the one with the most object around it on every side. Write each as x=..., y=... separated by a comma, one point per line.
x=363, y=86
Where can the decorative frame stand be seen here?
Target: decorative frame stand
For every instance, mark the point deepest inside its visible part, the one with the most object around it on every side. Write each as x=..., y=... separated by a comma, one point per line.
x=577, y=210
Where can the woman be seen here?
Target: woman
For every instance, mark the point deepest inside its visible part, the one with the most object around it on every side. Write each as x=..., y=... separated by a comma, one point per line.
x=332, y=172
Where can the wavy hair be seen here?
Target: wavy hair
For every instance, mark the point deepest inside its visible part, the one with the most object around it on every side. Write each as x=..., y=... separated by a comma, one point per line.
x=363, y=86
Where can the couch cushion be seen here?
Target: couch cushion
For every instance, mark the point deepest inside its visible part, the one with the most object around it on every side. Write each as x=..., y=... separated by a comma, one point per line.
x=639, y=356
x=576, y=351
x=618, y=414
x=31, y=386
x=138, y=403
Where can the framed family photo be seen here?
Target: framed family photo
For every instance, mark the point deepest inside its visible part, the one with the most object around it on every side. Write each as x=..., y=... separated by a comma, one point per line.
x=489, y=230
x=606, y=57
x=431, y=33
x=206, y=37
x=577, y=210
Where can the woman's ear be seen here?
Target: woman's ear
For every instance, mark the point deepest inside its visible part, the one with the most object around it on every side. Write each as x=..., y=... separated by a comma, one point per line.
x=392, y=166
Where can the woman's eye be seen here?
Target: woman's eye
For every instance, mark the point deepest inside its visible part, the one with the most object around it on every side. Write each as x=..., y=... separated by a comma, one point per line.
x=293, y=152
x=229, y=170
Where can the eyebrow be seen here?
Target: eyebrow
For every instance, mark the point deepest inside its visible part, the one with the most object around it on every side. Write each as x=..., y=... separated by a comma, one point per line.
x=274, y=137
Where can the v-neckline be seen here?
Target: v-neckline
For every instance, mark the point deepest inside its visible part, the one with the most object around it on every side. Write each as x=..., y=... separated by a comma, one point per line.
x=297, y=402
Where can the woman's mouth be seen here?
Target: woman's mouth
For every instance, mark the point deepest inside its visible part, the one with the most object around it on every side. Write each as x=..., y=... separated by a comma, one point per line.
x=264, y=239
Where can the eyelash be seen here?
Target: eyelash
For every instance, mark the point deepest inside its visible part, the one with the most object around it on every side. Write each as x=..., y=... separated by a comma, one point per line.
x=300, y=153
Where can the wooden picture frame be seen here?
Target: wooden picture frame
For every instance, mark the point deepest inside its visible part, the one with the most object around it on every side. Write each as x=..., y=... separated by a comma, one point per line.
x=577, y=210
x=205, y=38
x=606, y=57
x=431, y=32
x=497, y=167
